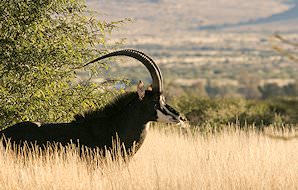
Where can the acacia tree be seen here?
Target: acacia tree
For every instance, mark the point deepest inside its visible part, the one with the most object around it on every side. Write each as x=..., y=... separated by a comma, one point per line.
x=42, y=42
x=287, y=48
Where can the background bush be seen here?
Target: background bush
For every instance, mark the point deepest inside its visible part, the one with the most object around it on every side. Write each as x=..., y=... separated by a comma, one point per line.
x=201, y=111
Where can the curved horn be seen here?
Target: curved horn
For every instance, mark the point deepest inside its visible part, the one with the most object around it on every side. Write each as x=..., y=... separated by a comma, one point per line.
x=157, y=80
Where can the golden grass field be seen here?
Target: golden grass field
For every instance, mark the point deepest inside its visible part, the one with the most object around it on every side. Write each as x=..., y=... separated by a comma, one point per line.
x=168, y=159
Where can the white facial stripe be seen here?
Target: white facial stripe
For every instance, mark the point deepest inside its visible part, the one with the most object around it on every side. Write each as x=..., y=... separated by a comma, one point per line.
x=162, y=100
x=164, y=114
x=161, y=117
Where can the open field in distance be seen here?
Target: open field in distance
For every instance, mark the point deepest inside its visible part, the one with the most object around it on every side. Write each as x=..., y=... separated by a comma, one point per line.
x=168, y=159
x=216, y=56
x=229, y=62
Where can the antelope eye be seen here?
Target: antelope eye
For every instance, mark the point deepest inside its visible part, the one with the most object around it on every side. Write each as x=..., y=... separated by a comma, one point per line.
x=156, y=105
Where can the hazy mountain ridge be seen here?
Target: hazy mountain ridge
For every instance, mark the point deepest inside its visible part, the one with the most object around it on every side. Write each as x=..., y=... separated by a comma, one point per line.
x=161, y=17
x=278, y=19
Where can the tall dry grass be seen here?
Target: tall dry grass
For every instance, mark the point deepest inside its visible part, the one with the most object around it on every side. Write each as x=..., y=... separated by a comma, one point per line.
x=168, y=160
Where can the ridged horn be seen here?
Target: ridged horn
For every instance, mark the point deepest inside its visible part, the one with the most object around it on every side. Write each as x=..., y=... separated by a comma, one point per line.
x=157, y=80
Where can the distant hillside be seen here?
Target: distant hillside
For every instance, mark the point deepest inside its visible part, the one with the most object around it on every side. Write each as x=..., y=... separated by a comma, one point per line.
x=279, y=18
x=164, y=17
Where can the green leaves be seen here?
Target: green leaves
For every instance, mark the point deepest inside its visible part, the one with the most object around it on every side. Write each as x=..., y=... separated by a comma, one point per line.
x=200, y=111
x=41, y=42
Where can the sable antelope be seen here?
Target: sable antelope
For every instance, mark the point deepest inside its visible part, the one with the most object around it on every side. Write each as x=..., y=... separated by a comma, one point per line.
x=126, y=117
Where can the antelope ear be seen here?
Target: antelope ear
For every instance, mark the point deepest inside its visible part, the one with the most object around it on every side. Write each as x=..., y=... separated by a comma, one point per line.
x=140, y=90
x=149, y=88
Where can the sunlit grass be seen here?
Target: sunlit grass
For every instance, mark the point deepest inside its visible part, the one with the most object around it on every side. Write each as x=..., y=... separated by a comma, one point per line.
x=168, y=159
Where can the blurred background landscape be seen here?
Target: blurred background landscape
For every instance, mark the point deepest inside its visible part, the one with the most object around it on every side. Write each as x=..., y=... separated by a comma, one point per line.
x=229, y=66
x=234, y=49
x=224, y=47
x=222, y=61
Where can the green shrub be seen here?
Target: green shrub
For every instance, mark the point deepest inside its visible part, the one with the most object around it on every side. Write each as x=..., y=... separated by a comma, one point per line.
x=202, y=111
x=42, y=43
